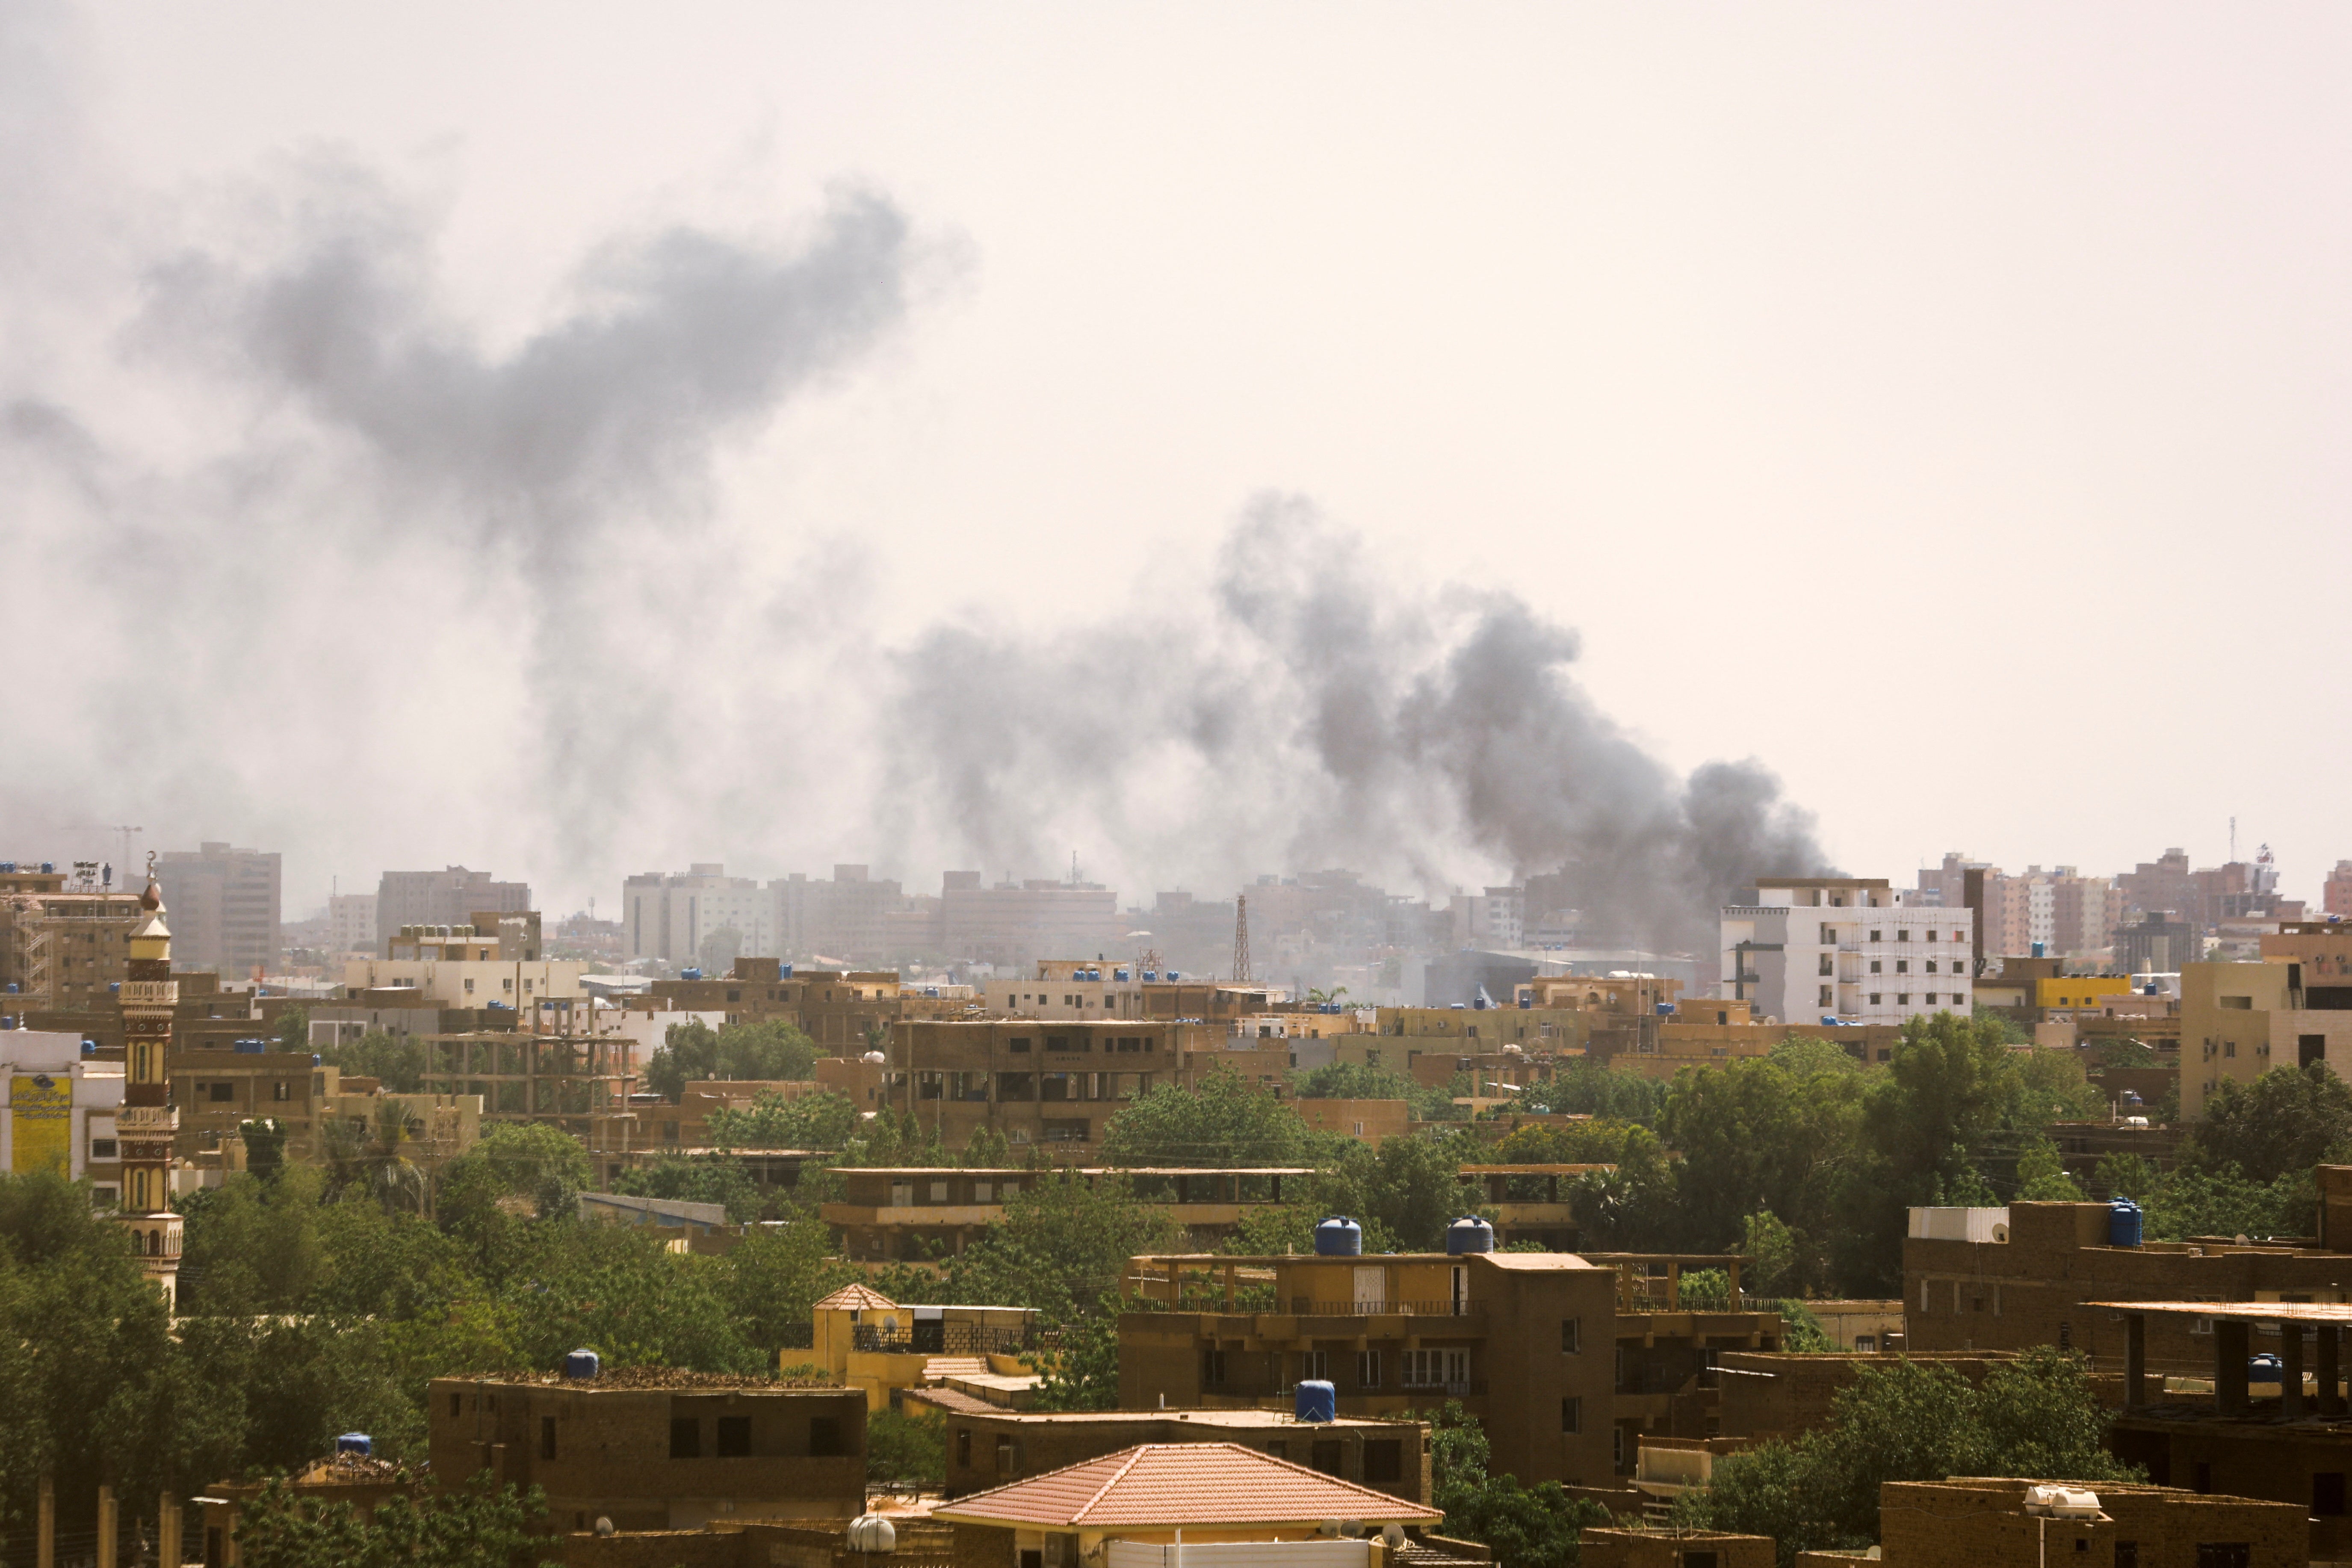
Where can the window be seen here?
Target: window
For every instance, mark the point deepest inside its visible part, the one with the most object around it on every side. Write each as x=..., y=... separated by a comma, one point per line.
x=223, y=1092
x=1929, y=998
x=1437, y=1369
x=1903, y=935
x=734, y=1436
x=1383, y=1461
x=2201, y=1480
x=1008, y=1455
x=2327, y=1492
x=470, y=985
x=2229, y=1047
x=281, y=1090
x=1313, y=1366
x=1571, y=1414
x=1902, y=998
x=1323, y=1453
x=1022, y=1046
x=684, y=1437
x=1876, y=967
x=2225, y=1553
x=101, y=1149
x=1213, y=1369
x=963, y=1446
x=1931, y=966
x=824, y=1438
x=1878, y=936
x=2127, y=1554
x=547, y=1436
x=1368, y=1369
x=2310, y=1048
x=1873, y=998
x=1277, y=1449
x=1824, y=999
x=456, y=1404
x=1902, y=966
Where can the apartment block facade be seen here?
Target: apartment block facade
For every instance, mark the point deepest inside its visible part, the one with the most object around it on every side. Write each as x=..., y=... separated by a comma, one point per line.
x=1846, y=948
x=225, y=908
x=451, y=896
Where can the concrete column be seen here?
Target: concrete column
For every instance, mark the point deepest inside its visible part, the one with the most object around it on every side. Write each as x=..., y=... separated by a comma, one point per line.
x=2135, y=1360
x=167, y=1533
x=107, y=1551
x=2331, y=1364
x=45, y=1543
x=2231, y=1342
x=2291, y=1404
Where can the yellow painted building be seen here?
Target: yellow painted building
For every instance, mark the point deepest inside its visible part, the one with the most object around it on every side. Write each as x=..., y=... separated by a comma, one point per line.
x=2081, y=990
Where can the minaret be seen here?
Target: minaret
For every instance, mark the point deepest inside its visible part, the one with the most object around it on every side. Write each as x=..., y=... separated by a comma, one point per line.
x=148, y=1121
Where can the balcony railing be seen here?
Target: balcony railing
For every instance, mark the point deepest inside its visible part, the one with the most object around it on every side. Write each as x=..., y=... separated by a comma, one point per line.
x=1302, y=1307
x=949, y=1339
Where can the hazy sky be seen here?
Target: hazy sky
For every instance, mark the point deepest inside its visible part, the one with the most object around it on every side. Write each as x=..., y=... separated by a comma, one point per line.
x=1946, y=407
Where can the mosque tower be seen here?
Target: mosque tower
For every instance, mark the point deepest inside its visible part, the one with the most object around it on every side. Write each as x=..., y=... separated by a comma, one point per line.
x=147, y=1122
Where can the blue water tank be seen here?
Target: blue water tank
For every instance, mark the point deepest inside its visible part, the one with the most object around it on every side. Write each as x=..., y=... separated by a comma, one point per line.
x=1527, y=1002
x=1339, y=1236
x=355, y=1443
x=786, y=972
x=7, y=865
x=48, y=867
x=2037, y=950
x=1666, y=1009
x=1317, y=1402
x=247, y=1047
x=2265, y=1368
x=89, y=1047
x=2123, y=1219
x=114, y=988
x=11, y=988
x=581, y=1363
x=1151, y=975
x=1118, y=974
x=2131, y=1097
x=689, y=975
x=1174, y=975
x=316, y=1060
x=1469, y=1233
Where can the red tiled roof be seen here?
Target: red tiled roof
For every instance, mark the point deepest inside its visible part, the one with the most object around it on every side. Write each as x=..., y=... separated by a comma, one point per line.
x=856, y=1298
x=1179, y=1484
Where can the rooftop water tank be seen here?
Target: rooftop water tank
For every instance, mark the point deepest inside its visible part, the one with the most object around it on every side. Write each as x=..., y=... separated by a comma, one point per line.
x=7, y=865
x=874, y=1059
x=1118, y=974
x=1174, y=975
x=1469, y=1233
x=1526, y=1002
x=871, y=1532
x=11, y=988
x=689, y=975
x=114, y=988
x=2061, y=1502
x=786, y=972
x=1666, y=1009
x=1151, y=975
x=48, y=865
x=2037, y=950
x=1317, y=1401
x=1339, y=1236
x=247, y=1047
x=90, y=1048
x=2124, y=1220
x=581, y=1365
x=2265, y=1368
x=355, y=1443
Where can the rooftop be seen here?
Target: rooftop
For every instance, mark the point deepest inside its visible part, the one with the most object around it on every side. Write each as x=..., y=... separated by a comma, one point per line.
x=2338, y=1313
x=614, y=1379
x=1172, y=1484
x=856, y=1298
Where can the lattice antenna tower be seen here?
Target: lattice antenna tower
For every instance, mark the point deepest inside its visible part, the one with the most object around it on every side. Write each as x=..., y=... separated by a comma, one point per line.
x=1241, y=938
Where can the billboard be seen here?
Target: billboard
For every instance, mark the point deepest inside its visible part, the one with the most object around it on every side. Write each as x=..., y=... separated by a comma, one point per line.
x=40, y=1111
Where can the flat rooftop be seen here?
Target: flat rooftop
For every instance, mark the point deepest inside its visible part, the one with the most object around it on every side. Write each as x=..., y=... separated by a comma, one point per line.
x=1220, y=1420
x=624, y=1379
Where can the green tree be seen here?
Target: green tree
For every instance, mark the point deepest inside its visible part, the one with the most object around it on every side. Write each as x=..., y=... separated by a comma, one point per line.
x=2037, y=1418
x=775, y=1277
x=1063, y=1241
x=2286, y=1121
x=1225, y=1120
x=825, y=1120
x=1596, y=1090
x=2042, y=1175
x=697, y=1179
x=293, y=1030
x=1348, y=1081
x=769, y=1051
x=906, y=1447
x=265, y=1146
x=986, y=1150
x=1081, y=1372
x=1763, y=1134
x=2124, y=1177
x=480, y=1526
x=396, y=1060
x=1527, y=1527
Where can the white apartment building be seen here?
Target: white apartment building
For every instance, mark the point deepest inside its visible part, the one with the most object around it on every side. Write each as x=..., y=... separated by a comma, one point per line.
x=1495, y=920
x=1848, y=949
x=668, y=917
x=57, y=1109
x=518, y=983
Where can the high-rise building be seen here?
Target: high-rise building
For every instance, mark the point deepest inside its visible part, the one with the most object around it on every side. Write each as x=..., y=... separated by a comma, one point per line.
x=225, y=903
x=676, y=917
x=351, y=923
x=452, y=896
x=2336, y=897
x=62, y=943
x=147, y=1123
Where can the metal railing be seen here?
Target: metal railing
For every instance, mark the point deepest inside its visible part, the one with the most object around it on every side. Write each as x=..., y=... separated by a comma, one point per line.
x=1301, y=1306
x=951, y=1339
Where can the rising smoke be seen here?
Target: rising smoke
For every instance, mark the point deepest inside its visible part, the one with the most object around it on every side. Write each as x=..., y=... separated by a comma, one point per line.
x=1315, y=714
x=326, y=565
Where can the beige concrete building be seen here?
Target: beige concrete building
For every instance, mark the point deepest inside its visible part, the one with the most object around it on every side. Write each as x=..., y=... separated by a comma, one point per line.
x=2291, y=1009
x=225, y=908
x=64, y=942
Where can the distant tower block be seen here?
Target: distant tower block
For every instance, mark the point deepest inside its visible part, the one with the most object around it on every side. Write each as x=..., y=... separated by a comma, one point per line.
x=148, y=1121
x=1241, y=940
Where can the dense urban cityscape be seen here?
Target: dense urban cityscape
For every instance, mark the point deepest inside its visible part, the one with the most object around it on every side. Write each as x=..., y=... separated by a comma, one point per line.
x=1291, y=785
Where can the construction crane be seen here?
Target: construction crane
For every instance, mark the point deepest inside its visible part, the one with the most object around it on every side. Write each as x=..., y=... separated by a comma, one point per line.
x=125, y=829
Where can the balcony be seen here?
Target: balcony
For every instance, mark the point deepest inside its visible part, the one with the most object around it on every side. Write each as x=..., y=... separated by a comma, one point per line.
x=949, y=1339
x=1300, y=1306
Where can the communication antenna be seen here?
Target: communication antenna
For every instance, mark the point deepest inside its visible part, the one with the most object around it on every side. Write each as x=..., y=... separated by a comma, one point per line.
x=1241, y=938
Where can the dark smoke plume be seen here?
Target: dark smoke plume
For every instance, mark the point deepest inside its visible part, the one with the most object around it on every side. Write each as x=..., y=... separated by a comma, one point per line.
x=1315, y=714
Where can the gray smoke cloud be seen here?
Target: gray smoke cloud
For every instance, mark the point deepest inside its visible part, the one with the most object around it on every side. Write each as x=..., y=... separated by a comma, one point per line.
x=1316, y=711
x=327, y=565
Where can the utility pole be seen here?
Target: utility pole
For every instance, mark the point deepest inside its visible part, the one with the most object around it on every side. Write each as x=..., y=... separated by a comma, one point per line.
x=1241, y=940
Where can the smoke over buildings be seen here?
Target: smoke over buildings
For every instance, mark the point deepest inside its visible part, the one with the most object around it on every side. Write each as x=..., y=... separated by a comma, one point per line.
x=371, y=583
